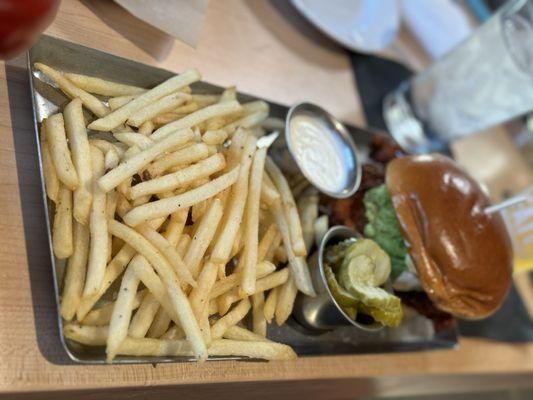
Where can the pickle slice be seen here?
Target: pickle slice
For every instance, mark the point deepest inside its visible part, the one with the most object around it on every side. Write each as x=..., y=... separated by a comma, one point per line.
x=341, y=296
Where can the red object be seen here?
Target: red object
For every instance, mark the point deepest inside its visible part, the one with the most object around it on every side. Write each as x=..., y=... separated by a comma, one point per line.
x=21, y=22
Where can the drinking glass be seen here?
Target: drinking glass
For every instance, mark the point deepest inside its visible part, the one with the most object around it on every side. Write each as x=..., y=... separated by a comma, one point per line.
x=486, y=80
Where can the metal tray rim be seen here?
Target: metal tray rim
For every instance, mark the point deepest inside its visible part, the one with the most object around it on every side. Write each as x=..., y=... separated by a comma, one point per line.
x=447, y=341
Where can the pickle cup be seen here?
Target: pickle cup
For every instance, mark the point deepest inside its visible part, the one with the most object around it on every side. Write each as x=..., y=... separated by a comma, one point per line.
x=323, y=312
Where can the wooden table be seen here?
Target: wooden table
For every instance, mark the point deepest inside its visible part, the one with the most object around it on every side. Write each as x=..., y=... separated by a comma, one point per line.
x=267, y=49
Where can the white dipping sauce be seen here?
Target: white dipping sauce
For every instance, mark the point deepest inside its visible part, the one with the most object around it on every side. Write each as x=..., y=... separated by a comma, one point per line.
x=318, y=152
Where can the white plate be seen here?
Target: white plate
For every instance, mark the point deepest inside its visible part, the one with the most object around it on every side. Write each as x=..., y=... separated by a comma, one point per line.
x=366, y=26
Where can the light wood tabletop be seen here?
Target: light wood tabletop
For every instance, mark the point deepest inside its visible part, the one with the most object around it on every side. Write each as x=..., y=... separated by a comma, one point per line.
x=266, y=49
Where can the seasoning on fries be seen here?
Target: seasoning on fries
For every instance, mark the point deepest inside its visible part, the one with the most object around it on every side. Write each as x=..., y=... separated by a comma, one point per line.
x=171, y=219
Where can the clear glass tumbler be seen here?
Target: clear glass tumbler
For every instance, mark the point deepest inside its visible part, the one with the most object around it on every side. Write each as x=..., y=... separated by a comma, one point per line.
x=486, y=80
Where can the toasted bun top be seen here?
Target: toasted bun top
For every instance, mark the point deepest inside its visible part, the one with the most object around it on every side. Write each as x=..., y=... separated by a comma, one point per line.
x=463, y=256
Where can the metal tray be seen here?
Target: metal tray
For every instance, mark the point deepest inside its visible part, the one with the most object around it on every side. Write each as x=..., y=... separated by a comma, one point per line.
x=415, y=333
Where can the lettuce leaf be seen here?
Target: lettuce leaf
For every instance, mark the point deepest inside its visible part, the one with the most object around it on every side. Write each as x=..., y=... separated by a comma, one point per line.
x=383, y=227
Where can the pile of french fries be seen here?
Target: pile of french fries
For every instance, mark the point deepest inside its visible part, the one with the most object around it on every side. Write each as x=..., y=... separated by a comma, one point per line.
x=175, y=223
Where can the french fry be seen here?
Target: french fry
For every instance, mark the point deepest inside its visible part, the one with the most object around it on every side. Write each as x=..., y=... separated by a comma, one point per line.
x=167, y=118
x=246, y=110
x=308, y=210
x=175, y=226
x=119, y=101
x=258, y=349
x=164, y=104
x=183, y=244
x=175, y=294
x=258, y=317
x=75, y=272
x=185, y=176
x=121, y=315
x=61, y=157
x=204, y=100
x=258, y=131
x=89, y=101
x=170, y=205
x=87, y=335
x=81, y=157
x=62, y=241
x=97, y=336
x=271, y=302
x=110, y=209
x=300, y=271
x=205, y=327
x=129, y=167
x=214, y=137
x=106, y=146
x=215, y=124
x=160, y=324
x=248, y=121
x=153, y=282
x=174, y=302
x=280, y=254
x=213, y=307
x=124, y=188
x=230, y=319
x=266, y=241
x=98, y=251
x=251, y=223
x=235, y=209
x=197, y=117
x=269, y=194
x=119, y=116
x=155, y=347
x=289, y=208
x=236, y=332
x=112, y=272
x=134, y=139
x=111, y=159
x=188, y=108
x=255, y=106
x=146, y=128
x=169, y=252
x=228, y=94
x=140, y=200
x=123, y=205
x=116, y=245
x=143, y=318
x=143, y=247
x=203, y=236
x=321, y=226
x=300, y=187
x=122, y=128
x=103, y=87
x=286, y=296
x=102, y=315
x=231, y=281
x=277, y=278
x=51, y=181
x=198, y=210
x=173, y=333
x=276, y=243
x=199, y=296
x=187, y=155
x=236, y=148
x=274, y=124
x=222, y=347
